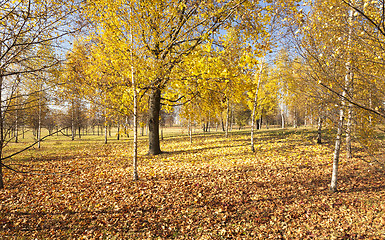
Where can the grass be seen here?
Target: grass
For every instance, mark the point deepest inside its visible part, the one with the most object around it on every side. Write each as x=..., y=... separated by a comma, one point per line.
x=214, y=188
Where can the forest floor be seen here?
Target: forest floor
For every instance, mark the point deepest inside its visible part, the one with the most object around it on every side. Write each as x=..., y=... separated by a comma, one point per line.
x=214, y=188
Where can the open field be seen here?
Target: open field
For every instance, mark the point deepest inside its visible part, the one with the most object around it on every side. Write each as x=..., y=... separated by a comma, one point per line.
x=214, y=188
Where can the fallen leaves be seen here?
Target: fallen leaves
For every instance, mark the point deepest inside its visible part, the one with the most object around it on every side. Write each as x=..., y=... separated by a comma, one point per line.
x=212, y=189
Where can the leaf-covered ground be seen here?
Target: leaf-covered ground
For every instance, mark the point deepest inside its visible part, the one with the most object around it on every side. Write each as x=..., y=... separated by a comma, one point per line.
x=214, y=188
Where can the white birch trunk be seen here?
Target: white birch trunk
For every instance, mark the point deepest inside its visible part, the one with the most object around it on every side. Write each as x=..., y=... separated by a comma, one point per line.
x=190, y=129
x=105, y=127
x=17, y=125
x=39, y=117
x=227, y=118
x=349, y=88
x=319, y=130
x=1, y=124
x=349, y=132
x=255, y=104
x=232, y=118
x=311, y=119
x=135, y=148
x=348, y=79
x=337, y=147
x=133, y=83
x=72, y=121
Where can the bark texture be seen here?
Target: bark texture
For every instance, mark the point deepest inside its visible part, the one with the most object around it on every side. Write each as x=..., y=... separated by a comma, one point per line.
x=153, y=122
x=337, y=148
x=319, y=130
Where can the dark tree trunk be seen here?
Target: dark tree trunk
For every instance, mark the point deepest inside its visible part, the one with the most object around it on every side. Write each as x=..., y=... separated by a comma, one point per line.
x=153, y=123
x=223, y=125
x=17, y=127
x=118, y=137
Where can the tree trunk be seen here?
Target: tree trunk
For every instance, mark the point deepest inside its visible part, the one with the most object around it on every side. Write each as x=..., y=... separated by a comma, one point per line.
x=223, y=124
x=348, y=81
x=337, y=148
x=125, y=128
x=311, y=119
x=209, y=123
x=133, y=83
x=349, y=131
x=105, y=127
x=255, y=104
x=153, y=122
x=232, y=118
x=305, y=120
x=72, y=122
x=227, y=118
x=135, y=150
x=189, y=129
x=118, y=136
x=17, y=126
x=282, y=119
x=319, y=130
x=161, y=133
x=349, y=88
x=1, y=126
x=39, y=124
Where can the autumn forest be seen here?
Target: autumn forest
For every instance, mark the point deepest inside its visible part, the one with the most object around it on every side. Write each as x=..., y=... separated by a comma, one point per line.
x=217, y=119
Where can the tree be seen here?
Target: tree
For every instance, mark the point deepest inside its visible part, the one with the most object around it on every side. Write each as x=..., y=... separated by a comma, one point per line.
x=165, y=33
x=26, y=27
x=337, y=42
